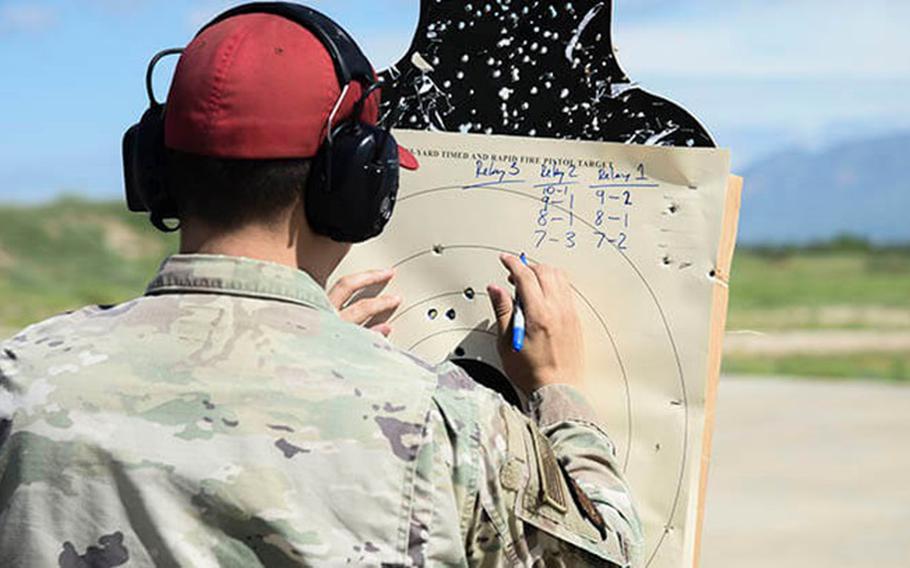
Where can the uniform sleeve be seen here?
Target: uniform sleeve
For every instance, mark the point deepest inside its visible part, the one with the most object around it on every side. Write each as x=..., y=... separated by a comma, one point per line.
x=550, y=490
x=7, y=407
x=7, y=358
x=588, y=457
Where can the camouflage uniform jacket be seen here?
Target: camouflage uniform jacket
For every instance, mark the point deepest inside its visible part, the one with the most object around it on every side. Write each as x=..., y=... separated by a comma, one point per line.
x=230, y=417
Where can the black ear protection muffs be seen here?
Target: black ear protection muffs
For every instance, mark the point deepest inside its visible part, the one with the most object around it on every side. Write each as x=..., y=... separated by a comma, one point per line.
x=144, y=158
x=353, y=179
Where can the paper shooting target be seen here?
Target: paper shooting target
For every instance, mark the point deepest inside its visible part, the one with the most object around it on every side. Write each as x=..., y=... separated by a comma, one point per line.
x=637, y=231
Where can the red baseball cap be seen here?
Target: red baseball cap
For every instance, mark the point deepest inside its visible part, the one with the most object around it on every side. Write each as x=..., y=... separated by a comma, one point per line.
x=258, y=86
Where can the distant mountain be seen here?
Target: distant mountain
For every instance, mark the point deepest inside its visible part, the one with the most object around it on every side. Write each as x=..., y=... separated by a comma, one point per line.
x=861, y=188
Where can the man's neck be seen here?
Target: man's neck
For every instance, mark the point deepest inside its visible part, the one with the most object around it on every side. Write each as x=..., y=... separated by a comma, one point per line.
x=265, y=243
x=251, y=242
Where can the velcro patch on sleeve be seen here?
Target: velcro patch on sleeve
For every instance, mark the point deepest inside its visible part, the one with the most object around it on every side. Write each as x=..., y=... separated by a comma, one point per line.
x=552, y=492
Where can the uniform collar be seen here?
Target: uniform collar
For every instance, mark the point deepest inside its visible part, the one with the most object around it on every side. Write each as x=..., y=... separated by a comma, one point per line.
x=237, y=276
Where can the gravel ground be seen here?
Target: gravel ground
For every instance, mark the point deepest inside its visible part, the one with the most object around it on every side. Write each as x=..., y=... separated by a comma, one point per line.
x=809, y=473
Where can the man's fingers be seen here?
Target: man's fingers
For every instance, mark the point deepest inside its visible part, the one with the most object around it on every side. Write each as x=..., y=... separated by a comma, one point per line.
x=350, y=284
x=525, y=280
x=364, y=310
x=502, y=308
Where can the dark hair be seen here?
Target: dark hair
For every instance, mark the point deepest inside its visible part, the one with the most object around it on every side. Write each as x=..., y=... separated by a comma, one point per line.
x=229, y=193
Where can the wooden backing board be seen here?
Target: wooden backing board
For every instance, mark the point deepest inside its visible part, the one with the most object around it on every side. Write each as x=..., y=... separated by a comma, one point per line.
x=715, y=343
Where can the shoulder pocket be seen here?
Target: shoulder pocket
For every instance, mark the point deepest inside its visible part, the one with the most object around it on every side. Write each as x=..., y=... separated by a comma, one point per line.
x=552, y=503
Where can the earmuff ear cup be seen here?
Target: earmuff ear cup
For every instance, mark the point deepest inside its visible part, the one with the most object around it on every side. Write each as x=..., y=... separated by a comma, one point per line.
x=134, y=199
x=353, y=183
x=144, y=165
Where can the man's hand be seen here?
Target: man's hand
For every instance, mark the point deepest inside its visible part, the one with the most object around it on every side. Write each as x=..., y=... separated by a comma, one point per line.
x=553, y=351
x=363, y=310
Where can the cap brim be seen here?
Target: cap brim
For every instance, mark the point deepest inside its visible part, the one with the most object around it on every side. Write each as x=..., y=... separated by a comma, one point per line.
x=407, y=159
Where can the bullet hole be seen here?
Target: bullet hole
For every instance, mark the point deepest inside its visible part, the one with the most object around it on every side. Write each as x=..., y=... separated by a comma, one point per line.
x=667, y=260
x=657, y=447
x=437, y=249
x=469, y=293
x=432, y=313
x=712, y=273
x=674, y=208
x=459, y=351
x=279, y=50
x=450, y=313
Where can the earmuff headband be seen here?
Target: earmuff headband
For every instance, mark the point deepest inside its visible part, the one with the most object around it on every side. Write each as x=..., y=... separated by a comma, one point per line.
x=149, y=72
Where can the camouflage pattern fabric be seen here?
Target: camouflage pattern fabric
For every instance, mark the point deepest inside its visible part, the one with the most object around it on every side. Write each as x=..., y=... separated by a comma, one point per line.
x=229, y=417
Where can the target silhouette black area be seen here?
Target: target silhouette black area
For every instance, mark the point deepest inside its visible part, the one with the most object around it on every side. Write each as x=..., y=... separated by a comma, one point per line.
x=527, y=68
x=490, y=377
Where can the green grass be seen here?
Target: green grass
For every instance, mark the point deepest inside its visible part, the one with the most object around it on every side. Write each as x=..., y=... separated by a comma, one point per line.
x=820, y=288
x=884, y=366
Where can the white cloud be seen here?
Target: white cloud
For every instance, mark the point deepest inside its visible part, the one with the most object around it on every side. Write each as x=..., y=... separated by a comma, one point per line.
x=26, y=18
x=764, y=75
x=810, y=38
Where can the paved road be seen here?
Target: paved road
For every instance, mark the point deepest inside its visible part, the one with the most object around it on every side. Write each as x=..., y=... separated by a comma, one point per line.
x=809, y=474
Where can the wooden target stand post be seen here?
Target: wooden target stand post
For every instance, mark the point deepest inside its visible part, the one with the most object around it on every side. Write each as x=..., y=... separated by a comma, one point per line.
x=719, y=302
x=547, y=70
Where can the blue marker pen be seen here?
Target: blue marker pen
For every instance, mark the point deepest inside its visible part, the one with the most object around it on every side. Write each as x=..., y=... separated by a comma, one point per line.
x=518, y=318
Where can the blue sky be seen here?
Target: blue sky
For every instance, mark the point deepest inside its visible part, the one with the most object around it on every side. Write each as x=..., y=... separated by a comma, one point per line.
x=763, y=75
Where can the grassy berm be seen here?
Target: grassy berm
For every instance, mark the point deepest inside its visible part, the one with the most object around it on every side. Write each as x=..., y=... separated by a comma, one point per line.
x=70, y=253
